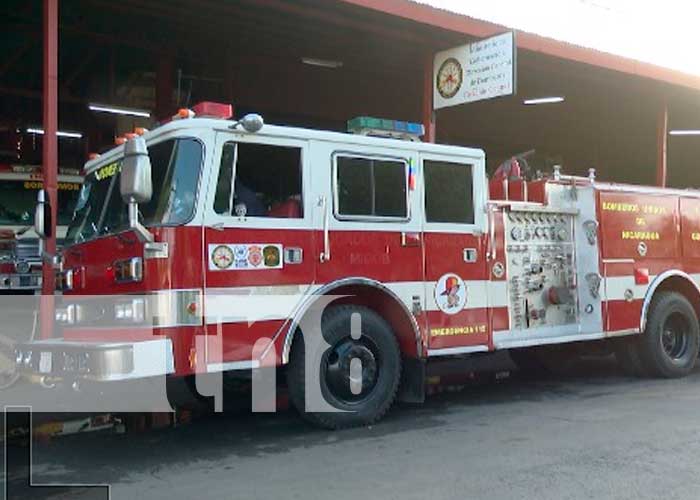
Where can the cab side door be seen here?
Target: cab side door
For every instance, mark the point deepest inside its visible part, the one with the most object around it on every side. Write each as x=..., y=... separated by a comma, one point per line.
x=258, y=243
x=455, y=255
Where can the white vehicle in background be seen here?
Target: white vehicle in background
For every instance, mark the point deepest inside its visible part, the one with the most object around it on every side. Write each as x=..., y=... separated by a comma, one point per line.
x=20, y=253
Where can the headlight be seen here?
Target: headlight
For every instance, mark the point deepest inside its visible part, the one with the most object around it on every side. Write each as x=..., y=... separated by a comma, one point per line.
x=19, y=356
x=133, y=311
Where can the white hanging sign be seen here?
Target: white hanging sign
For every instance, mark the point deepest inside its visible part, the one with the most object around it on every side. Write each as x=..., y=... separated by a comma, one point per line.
x=475, y=72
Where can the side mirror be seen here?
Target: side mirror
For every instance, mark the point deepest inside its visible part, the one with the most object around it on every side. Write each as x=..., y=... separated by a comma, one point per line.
x=135, y=184
x=42, y=216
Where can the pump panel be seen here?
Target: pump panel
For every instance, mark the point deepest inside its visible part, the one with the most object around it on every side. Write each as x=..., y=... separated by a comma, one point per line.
x=541, y=268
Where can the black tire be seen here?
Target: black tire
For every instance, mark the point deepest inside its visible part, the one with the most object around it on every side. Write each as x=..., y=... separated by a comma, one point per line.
x=627, y=355
x=669, y=345
x=379, y=352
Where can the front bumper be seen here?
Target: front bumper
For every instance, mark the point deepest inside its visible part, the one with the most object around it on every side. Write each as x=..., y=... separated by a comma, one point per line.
x=57, y=359
x=31, y=281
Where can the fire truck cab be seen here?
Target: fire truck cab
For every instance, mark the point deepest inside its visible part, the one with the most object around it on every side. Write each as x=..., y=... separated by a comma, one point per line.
x=20, y=251
x=217, y=252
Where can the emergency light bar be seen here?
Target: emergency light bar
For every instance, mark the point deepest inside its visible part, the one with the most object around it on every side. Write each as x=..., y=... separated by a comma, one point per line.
x=397, y=129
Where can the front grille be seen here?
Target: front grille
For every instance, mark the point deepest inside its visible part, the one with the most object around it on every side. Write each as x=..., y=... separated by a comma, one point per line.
x=27, y=249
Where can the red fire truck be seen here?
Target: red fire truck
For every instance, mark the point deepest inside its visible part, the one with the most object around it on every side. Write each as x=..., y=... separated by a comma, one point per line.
x=20, y=258
x=410, y=238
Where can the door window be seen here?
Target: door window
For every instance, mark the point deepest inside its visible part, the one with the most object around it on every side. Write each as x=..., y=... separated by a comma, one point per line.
x=259, y=180
x=371, y=188
x=449, y=195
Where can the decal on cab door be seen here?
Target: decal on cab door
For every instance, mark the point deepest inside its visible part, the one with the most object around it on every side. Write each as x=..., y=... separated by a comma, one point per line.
x=450, y=293
x=245, y=256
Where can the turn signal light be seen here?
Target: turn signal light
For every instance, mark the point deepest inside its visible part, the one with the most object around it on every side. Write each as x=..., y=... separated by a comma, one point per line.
x=128, y=270
x=183, y=113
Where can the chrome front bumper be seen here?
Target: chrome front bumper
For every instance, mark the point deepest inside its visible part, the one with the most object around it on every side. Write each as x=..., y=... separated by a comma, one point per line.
x=20, y=281
x=57, y=359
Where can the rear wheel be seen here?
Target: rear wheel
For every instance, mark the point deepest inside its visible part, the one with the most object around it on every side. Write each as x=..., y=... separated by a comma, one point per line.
x=358, y=374
x=669, y=345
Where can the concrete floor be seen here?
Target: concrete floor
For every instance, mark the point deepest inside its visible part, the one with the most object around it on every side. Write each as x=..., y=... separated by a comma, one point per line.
x=593, y=433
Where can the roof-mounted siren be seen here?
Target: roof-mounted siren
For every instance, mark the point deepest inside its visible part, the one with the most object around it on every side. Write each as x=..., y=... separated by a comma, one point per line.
x=392, y=129
x=252, y=123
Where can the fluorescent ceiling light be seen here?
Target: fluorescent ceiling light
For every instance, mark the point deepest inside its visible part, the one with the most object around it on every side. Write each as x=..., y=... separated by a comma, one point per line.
x=323, y=63
x=684, y=132
x=60, y=133
x=118, y=110
x=543, y=100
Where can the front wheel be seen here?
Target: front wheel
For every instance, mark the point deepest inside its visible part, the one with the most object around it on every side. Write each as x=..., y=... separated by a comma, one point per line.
x=669, y=345
x=358, y=374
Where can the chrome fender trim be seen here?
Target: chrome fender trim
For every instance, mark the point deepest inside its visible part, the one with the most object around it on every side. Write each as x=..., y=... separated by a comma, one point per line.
x=655, y=284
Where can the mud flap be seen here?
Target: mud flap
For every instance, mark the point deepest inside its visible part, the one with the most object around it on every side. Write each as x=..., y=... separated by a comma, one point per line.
x=412, y=388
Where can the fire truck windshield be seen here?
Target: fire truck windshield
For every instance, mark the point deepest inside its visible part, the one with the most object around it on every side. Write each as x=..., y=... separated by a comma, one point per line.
x=18, y=199
x=100, y=211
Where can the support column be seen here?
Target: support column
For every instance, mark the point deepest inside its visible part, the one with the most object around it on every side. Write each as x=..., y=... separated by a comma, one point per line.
x=428, y=114
x=50, y=158
x=662, y=145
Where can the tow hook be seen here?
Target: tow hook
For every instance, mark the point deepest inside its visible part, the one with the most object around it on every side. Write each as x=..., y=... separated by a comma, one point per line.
x=47, y=382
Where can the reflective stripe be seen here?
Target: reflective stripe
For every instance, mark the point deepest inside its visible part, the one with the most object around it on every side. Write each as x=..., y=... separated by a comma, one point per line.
x=279, y=302
x=615, y=287
x=450, y=351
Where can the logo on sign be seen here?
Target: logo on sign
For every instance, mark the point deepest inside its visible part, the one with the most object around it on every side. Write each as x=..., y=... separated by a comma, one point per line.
x=450, y=294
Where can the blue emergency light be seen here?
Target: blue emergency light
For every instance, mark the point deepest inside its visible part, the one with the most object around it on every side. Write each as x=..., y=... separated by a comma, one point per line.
x=366, y=125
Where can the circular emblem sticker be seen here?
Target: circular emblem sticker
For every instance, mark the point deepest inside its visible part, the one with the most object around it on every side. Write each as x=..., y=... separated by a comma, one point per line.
x=255, y=256
x=271, y=256
x=450, y=293
x=222, y=257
